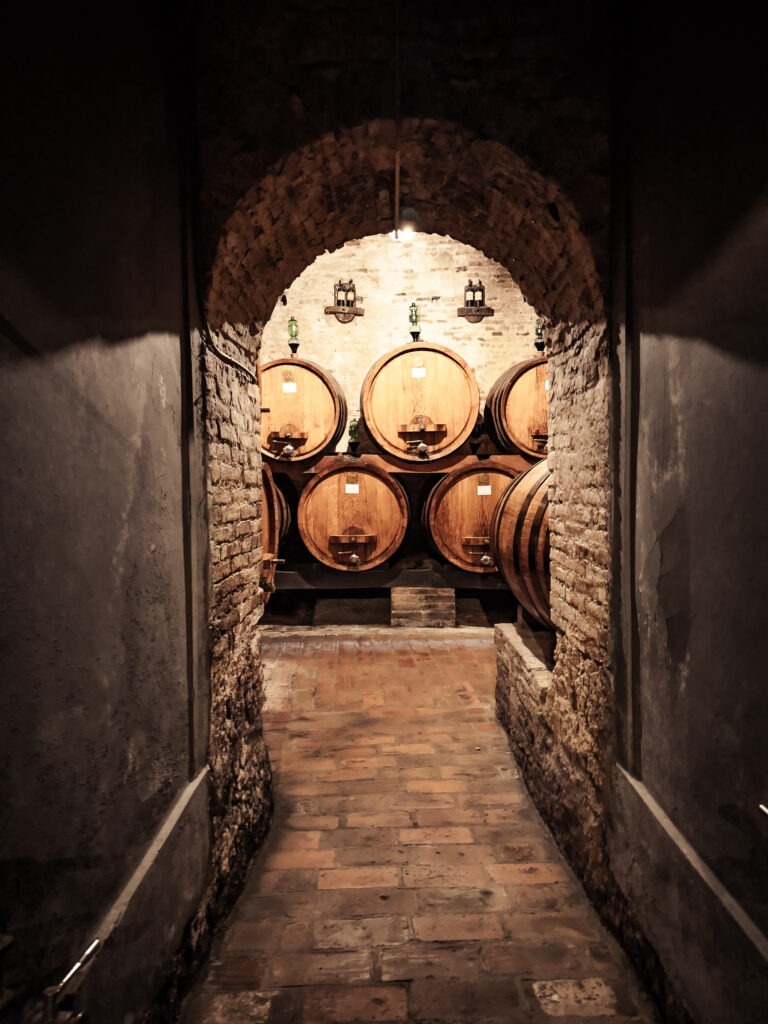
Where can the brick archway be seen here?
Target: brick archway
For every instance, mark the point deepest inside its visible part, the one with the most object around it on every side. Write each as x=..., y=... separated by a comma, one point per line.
x=340, y=187
x=479, y=192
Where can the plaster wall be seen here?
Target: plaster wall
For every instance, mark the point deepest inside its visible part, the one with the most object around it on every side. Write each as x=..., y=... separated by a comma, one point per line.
x=689, y=842
x=95, y=691
x=102, y=707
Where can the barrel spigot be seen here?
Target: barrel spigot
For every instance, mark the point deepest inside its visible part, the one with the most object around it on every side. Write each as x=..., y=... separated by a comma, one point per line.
x=287, y=451
x=486, y=560
x=354, y=558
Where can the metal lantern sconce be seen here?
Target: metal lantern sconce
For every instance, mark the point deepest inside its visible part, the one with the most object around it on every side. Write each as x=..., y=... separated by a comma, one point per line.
x=293, y=334
x=344, y=307
x=474, y=308
x=413, y=320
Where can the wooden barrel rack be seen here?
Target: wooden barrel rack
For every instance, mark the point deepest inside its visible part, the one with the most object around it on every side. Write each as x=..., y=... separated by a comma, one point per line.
x=304, y=411
x=516, y=408
x=458, y=513
x=520, y=541
x=420, y=402
x=352, y=515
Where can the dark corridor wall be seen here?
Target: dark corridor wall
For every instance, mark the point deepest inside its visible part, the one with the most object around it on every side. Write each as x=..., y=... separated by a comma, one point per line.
x=691, y=842
x=104, y=703
x=96, y=593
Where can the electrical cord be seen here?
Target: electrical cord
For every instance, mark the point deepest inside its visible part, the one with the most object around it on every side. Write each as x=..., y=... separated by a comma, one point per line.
x=229, y=360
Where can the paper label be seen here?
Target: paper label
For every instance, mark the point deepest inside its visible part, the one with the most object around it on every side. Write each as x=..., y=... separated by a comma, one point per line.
x=546, y=385
x=289, y=387
x=418, y=371
x=484, y=489
x=351, y=488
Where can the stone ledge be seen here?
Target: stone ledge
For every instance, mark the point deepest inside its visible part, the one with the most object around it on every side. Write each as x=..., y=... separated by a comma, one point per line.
x=544, y=747
x=534, y=651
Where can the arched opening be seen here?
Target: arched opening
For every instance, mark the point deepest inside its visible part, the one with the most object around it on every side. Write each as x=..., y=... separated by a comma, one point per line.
x=340, y=188
x=479, y=192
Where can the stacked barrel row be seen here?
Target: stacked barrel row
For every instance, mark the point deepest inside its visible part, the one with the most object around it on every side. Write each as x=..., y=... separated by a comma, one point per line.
x=420, y=403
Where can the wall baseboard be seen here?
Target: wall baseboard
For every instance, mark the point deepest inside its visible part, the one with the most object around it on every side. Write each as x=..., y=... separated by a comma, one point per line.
x=144, y=927
x=714, y=954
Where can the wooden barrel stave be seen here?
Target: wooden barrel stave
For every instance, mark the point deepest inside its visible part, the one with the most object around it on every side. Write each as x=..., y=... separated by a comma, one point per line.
x=352, y=516
x=458, y=513
x=520, y=541
x=532, y=512
x=275, y=519
x=303, y=407
x=516, y=408
x=285, y=514
x=420, y=395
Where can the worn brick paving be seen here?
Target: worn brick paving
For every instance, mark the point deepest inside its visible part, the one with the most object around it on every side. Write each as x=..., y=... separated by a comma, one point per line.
x=407, y=876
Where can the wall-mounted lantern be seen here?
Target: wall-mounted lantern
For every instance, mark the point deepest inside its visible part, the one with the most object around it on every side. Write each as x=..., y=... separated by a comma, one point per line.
x=293, y=334
x=344, y=307
x=413, y=321
x=474, y=308
x=539, y=342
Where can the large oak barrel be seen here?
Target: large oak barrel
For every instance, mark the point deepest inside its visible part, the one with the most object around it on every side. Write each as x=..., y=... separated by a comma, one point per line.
x=275, y=520
x=304, y=411
x=520, y=540
x=420, y=401
x=458, y=513
x=516, y=408
x=352, y=515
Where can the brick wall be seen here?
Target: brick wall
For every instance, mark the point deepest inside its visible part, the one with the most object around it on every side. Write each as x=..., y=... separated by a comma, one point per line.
x=240, y=772
x=430, y=270
x=563, y=736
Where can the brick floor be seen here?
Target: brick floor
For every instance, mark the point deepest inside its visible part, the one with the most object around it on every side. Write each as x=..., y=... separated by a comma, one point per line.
x=407, y=876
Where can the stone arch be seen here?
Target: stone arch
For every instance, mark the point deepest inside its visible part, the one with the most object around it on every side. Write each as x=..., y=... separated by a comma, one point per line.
x=340, y=187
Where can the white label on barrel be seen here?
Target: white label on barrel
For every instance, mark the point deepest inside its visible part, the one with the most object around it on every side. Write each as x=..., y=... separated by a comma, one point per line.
x=483, y=488
x=546, y=385
x=418, y=371
x=351, y=488
x=289, y=386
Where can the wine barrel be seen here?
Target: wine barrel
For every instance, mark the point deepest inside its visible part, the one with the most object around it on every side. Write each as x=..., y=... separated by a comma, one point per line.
x=352, y=515
x=419, y=402
x=304, y=410
x=516, y=408
x=520, y=540
x=275, y=520
x=458, y=512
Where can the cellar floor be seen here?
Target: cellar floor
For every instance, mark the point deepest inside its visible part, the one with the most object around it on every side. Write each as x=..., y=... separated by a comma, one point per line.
x=407, y=875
